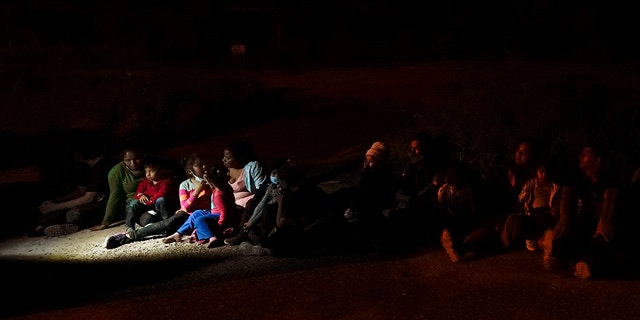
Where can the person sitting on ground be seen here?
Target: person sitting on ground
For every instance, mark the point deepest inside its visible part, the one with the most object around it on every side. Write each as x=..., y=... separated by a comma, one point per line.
x=415, y=215
x=194, y=194
x=374, y=193
x=212, y=225
x=583, y=237
x=259, y=225
x=520, y=170
x=248, y=176
x=84, y=205
x=540, y=199
x=153, y=201
x=423, y=173
x=463, y=229
x=294, y=216
x=123, y=181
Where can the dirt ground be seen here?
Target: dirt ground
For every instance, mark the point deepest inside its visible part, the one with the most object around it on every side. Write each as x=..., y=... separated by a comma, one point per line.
x=74, y=277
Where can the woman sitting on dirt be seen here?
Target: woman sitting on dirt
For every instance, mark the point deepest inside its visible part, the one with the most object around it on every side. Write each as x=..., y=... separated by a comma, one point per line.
x=248, y=177
x=294, y=215
x=123, y=182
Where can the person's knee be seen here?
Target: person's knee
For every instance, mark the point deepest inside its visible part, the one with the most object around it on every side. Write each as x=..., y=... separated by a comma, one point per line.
x=133, y=203
x=160, y=203
x=73, y=216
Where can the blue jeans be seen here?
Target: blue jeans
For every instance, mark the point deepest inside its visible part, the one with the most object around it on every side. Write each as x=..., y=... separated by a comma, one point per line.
x=195, y=221
x=137, y=212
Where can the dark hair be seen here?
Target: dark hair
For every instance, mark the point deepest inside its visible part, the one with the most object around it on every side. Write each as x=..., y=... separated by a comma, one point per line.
x=90, y=151
x=242, y=150
x=153, y=162
x=153, y=166
x=188, y=161
x=289, y=171
x=424, y=137
x=217, y=174
x=597, y=148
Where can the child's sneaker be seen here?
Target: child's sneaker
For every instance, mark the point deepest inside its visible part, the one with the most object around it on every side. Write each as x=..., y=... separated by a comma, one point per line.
x=215, y=242
x=116, y=240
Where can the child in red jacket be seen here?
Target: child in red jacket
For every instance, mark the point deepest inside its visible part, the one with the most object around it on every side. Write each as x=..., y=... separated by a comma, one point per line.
x=152, y=197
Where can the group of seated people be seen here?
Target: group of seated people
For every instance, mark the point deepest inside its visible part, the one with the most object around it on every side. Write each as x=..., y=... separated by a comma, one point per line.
x=580, y=221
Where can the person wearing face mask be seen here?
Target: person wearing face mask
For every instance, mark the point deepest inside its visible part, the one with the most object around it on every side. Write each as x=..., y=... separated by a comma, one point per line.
x=257, y=225
x=123, y=182
x=293, y=216
x=194, y=194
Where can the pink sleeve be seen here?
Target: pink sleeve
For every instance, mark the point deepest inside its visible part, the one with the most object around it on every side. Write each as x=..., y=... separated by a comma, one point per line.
x=220, y=207
x=186, y=199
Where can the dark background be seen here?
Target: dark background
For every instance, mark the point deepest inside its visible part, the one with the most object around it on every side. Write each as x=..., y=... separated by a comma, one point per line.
x=149, y=68
x=103, y=66
x=161, y=71
x=318, y=32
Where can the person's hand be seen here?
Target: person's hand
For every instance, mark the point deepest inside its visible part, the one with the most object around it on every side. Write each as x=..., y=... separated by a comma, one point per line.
x=199, y=185
x=144, y=199
x=98, y=227
x=605, y=230
x=205, y=179
x=228, y=231
x=278, y=199
x=49, y=206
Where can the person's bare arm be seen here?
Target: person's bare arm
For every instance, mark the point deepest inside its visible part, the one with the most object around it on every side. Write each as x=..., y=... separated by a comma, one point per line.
x=88, y=197
x=79, y=191
x=605, y=229
x=565, y=210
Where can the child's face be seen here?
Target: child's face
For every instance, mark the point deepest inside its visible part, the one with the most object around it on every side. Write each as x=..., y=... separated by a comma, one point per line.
x=198, y=168
x=151, y=174
x=523, y=154
x=542, y=174
x=416, y=148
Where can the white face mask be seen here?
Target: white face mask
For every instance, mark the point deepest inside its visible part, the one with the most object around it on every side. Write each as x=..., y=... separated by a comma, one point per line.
x=198, y=178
